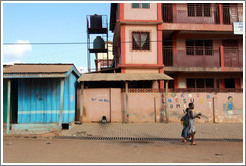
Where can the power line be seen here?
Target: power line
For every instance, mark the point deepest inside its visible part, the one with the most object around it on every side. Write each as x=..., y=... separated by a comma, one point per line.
x=80, y=43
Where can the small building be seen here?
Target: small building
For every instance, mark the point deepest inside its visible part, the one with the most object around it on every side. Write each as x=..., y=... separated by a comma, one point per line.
x=108, y=97
x=39, y=96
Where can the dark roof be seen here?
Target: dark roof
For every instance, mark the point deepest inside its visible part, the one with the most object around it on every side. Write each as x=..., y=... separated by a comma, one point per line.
x=38, y=68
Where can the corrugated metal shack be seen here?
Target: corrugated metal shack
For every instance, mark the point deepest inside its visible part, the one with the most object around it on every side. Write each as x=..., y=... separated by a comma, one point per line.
x=40, y=96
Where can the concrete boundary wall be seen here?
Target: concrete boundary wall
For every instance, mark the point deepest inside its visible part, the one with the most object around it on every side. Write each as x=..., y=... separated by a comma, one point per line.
x=149, y=107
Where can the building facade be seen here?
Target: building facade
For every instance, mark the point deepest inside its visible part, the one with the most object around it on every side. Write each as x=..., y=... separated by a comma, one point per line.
x=193, y=43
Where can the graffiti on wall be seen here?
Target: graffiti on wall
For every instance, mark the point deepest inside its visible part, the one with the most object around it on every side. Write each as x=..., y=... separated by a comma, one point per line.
x=100, y=100
x=230, y=108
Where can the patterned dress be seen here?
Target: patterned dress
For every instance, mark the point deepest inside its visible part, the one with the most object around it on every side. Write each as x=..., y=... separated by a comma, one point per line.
x=191, y=126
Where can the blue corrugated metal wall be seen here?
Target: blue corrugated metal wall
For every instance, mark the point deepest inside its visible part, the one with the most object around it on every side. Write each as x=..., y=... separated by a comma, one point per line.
x=39, y=100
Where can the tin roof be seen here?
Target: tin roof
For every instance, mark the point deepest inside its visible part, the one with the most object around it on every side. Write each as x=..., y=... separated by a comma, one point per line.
x=124, y=77
x=40, y=70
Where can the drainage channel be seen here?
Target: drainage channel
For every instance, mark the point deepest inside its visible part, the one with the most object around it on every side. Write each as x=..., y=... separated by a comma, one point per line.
x=145, y=139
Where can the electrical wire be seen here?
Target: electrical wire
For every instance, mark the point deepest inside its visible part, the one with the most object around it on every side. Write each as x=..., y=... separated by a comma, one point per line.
x=81, y=43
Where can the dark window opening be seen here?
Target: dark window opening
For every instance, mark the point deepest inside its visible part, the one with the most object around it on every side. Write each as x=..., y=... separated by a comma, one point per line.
x=135, y=5
x=209, y=83
x=200, y=83
x=140, y=41
x=207, y=9
x=171, y=84
x=145, y=5
x=191, y=9
x=199, y=47
x=140, y=5
x=167, y=13
x=105, y=84
x=140, y=84
x=190, y=83
x=167, y=53
x=230, y=83
x=226, y=13
x=208, y=44
x=199, y=9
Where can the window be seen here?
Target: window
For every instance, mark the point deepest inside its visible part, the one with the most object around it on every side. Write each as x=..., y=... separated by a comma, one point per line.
x=199, y=47
x=140, y=5
x=199, y=9
x=230, y=83
x=200, y=83
x=140, y=41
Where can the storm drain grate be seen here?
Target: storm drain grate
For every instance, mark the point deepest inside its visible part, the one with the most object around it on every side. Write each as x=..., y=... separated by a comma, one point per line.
x=145, y=138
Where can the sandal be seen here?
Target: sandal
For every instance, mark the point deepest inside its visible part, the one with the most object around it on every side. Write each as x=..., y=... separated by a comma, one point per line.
x=193, y=143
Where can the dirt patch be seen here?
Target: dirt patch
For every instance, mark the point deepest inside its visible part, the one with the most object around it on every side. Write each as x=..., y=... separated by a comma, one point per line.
x=85, y=151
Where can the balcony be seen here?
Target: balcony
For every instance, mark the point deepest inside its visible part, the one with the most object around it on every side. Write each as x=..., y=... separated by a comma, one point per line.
x=232, y=57
x=199, y=13
x=202, y=59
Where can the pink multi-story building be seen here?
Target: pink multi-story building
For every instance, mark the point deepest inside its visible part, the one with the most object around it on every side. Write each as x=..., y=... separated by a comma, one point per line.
x=193, y=43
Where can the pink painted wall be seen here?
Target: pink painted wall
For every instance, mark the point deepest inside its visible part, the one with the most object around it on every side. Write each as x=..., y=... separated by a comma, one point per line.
x=147, y=107
x=141, y=56
x=140, y=14
x=96, y=105
x=205, y=104
x=144, y=107
x=116, y=105
x=142, y=71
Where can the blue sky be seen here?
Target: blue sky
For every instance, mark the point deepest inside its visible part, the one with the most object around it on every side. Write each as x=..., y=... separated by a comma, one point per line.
x=48, y=22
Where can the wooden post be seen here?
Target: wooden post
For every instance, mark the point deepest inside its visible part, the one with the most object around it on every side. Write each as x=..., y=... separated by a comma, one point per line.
x=155, y=108
x=127, y=114
x=214, y=109
x=8, y=106
x=166, y=110
x=81, y=101
x=110, y=106
x=61, y=103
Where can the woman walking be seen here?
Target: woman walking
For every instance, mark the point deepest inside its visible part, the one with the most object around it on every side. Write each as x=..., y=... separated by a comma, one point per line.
x=189, y=130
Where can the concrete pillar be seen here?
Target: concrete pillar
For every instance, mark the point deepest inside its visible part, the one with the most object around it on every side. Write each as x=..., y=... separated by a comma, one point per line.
x=127, y=113
x=166, y=110
x=221, y=13
x=81, y=102
x=222, y=60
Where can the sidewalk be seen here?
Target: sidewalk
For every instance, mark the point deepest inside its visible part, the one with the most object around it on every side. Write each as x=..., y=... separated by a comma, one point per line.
x=142, y=130
x=154, y=130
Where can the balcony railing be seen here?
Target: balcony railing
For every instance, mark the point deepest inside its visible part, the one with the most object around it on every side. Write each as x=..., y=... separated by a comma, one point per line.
x=168, y=56
x=201, y=13
x=230, y=13
x=231, y=57
x=202, y=56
